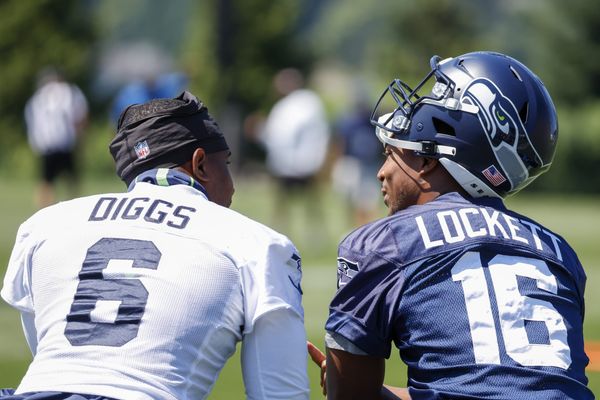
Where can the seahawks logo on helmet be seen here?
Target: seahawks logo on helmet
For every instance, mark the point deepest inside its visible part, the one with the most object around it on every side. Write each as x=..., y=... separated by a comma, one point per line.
x=497, y=114
x=504, y=129
x=345, y=271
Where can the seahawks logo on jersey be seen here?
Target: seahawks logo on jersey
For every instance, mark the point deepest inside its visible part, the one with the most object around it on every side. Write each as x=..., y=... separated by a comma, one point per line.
x=296, y=262
x=345, y=271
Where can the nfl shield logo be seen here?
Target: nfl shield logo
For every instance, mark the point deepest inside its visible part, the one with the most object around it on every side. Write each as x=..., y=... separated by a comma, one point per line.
x=141, y=150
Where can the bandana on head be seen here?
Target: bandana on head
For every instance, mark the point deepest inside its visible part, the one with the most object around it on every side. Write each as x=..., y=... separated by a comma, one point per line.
x=163, y=133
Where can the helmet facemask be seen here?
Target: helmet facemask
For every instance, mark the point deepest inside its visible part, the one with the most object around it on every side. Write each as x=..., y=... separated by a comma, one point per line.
x=435, y=89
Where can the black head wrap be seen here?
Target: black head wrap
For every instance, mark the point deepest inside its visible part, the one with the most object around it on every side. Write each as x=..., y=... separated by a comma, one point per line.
x=163, y=133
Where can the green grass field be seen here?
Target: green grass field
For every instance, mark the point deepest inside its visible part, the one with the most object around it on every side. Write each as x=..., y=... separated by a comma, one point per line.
x=574, y=218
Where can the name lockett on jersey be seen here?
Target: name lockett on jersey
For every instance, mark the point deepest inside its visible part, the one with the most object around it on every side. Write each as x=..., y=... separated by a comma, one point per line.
x=454, y=226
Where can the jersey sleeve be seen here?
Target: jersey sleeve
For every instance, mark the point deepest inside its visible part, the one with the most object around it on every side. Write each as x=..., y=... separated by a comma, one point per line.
x=274, y=358
x=367, y=303
x=30, y=331
x=16, y=289
x=271, y=280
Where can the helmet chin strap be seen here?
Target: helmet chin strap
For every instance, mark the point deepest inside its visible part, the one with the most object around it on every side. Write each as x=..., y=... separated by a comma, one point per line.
x=425, y=147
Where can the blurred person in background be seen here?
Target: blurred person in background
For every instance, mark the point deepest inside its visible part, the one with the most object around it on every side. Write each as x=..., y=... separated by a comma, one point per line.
x=56, y=116
x=357, y=160
x=138, y=91
x=145, y=294
x=482, y=302
x=295, y=136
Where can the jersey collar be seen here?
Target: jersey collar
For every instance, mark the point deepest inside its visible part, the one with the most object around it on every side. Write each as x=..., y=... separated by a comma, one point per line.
x=167, y=177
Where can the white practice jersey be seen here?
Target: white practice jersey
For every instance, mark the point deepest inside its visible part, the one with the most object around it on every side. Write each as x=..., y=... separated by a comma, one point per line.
x=144, y=295
x=296, y=135
x=53, y=115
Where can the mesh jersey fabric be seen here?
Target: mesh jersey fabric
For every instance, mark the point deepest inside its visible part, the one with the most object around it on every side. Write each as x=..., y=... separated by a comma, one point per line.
x=144, y=295
x=481, y=302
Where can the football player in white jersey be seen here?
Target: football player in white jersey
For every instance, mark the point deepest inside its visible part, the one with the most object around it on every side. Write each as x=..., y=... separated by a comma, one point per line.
x=145, y=294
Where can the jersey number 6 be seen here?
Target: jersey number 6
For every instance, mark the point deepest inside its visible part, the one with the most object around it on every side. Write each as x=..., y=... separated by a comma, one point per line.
x=514, y=311
x=98, y=297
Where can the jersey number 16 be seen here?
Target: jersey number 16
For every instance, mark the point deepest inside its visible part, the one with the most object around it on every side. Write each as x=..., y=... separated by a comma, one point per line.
x=514, y=310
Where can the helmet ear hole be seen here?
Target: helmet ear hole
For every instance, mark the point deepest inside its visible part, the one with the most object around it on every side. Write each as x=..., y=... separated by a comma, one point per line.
x=524, y=112
x=443, y=127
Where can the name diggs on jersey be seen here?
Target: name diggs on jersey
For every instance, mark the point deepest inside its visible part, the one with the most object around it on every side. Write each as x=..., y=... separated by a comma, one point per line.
x=452, y=226
x=156, y=211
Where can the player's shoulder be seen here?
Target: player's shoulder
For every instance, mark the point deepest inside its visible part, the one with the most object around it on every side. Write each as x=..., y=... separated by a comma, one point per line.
x=241, y=230
x=392, y=223
x=62, y=216
x=61, y=210
x=555, y=246
x=257, y=249
x=396, y=232
x=367, y=236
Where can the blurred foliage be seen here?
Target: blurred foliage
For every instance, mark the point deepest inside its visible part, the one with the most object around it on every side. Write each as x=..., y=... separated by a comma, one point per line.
x=230, y=50
x=425, y=28
x=576, y=165
x=234, y=48
x=38, y=34
x=559, y=40
x=155, y=21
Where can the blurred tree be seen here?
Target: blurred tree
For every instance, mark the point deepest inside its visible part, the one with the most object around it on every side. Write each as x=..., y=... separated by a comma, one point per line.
x=234, y=47
x=559, y=41
x=398, y=37
x=154, y=21
x=421, y=29
x=233, y=50
x=34, y=35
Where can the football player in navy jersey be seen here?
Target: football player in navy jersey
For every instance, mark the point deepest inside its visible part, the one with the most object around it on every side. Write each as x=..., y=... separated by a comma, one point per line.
x=145, y=294
x=482, y=303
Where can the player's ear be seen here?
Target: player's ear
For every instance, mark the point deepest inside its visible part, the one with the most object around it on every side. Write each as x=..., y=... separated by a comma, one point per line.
x=199, y=160
x=428, y=165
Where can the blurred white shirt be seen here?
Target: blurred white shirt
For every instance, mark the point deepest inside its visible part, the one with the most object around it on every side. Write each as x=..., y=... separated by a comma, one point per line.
x=53, y=115
x=296, y=135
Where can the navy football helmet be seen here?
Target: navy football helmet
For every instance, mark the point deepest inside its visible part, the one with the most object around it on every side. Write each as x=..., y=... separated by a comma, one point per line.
x=487, y=118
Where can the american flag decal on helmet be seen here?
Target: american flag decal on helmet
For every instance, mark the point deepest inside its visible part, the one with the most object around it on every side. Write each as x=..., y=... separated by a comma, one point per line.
x=141, y=150
x=493, y=175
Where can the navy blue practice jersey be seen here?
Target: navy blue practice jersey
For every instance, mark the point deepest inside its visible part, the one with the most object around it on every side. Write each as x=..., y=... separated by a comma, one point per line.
x=483, y=303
